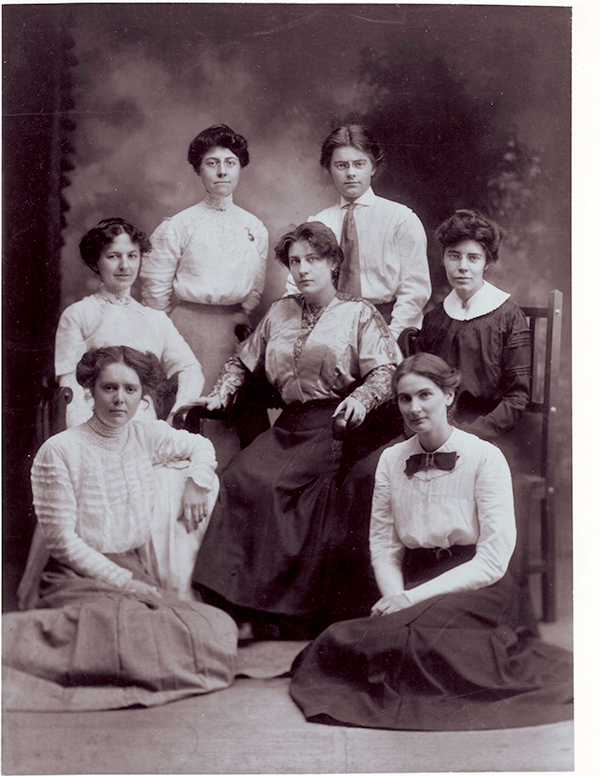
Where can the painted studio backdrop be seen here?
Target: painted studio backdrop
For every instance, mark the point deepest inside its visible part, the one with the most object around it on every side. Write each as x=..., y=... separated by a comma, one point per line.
x=101, y=101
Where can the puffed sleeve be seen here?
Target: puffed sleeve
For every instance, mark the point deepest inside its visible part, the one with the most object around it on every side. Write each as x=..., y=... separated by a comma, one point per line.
x=68, y=350
x=378, y=354
x=55, y=505
x=166, y=445
x=385, y=546
x=515, y=381
x=414, y=284
x=376, y=344
x=253, y=298
x=160, y=265
x=178, y=358
x=497, y=534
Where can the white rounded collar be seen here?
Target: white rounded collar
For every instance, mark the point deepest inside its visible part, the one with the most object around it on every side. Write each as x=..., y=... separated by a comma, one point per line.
x=487, y=299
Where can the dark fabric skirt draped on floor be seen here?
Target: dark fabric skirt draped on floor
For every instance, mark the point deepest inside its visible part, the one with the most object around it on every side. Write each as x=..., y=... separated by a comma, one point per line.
x=455, y=662
x=269, y=543
x=91, y=646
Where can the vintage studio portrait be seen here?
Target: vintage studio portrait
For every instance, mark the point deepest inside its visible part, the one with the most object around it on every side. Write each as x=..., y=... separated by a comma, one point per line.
x=287, y=388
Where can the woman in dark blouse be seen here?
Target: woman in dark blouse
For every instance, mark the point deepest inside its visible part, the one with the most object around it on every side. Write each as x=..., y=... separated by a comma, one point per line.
x=479, y=330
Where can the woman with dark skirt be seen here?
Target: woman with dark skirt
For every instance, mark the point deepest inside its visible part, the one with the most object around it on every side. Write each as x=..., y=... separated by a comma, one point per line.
x=479, y=330
x=265, y=554
x=443, y=648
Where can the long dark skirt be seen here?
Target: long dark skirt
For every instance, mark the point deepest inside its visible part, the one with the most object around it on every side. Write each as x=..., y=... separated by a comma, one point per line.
x=91, y=646
x=454, y=662
x=267, y=543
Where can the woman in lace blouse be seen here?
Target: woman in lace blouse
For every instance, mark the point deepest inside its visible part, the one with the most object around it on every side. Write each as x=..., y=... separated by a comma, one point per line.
x=94, y=493
x=328, y=355
x=207, y=265
x=113, y=250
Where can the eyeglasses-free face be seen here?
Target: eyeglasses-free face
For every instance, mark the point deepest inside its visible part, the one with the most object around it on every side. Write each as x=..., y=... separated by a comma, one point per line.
x=220, y=171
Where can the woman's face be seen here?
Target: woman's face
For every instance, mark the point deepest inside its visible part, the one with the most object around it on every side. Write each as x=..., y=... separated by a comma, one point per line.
x=220, y=171
x=351, y=171
x=311, y=272
x=464, y=264
x=119, y=263
x=117, y=395
x=423, y=404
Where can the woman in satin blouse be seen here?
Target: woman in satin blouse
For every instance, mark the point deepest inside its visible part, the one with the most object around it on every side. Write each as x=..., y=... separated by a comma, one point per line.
x=265, y=553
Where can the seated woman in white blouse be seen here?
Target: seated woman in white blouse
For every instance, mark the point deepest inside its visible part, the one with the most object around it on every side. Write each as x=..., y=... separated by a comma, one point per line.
x=443, y=648
x=113, y=250
x=115, y=623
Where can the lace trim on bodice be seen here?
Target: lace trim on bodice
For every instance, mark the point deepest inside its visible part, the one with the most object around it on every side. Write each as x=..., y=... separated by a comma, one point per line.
x=105, y=437
x=114, y=297
x=310, y=317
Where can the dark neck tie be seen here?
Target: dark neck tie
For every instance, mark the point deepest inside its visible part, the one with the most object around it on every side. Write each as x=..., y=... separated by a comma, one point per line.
x=422, y=461
x=349, y=281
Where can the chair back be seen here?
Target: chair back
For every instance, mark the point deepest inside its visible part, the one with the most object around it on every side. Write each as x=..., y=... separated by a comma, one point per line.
x=51, y=415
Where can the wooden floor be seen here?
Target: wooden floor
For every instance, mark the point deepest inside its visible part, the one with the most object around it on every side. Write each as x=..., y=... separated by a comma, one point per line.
x=255, y=727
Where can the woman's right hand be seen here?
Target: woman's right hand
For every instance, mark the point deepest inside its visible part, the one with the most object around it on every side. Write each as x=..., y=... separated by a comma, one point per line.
x=138, y=587
x=210, y=402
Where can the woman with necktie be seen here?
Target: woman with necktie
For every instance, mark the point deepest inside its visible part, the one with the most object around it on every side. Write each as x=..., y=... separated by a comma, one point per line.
x=443, y=648
x=383, y=241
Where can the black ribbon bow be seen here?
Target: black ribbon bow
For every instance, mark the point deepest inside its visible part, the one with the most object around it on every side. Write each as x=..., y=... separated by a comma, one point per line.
x=422, y=461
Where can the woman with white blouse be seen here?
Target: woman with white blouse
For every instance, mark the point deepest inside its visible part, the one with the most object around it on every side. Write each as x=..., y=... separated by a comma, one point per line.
x=207, y=265
x=113, y=250
x=443, y=648
x=115, y=623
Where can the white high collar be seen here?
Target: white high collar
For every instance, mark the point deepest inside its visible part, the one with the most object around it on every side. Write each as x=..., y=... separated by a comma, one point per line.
x=487, y=299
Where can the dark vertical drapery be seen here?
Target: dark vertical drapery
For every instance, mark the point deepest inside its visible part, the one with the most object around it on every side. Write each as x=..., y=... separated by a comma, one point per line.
x=36, y=157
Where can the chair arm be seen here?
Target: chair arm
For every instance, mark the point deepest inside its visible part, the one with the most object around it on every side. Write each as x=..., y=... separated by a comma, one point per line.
x=191, y=417
x=407, y=341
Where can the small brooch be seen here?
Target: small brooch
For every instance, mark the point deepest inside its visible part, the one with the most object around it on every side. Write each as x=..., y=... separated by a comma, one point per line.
x=250, y=235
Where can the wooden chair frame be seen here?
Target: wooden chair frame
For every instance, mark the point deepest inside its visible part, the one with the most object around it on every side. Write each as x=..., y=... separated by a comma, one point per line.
x=542, y=487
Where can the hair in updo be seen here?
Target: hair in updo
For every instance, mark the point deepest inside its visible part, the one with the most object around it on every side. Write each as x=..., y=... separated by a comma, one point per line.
x=145, y=365
x=219, y=135
x=432, y=367
x=97, y=239
x=471, y=225
x=319, y=237
x=353, y=135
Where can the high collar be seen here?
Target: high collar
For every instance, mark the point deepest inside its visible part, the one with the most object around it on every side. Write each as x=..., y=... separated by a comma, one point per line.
x=486, y=300
x=218, y=203
x=368, y=199
x=110, y=437
x=114, y=297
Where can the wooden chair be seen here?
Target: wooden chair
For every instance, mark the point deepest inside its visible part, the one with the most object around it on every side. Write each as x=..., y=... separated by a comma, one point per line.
x=538, y=487
x=535, y=485
x=51, y=418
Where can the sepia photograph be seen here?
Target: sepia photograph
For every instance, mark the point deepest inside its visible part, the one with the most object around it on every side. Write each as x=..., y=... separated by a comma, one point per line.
x=287, y=388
